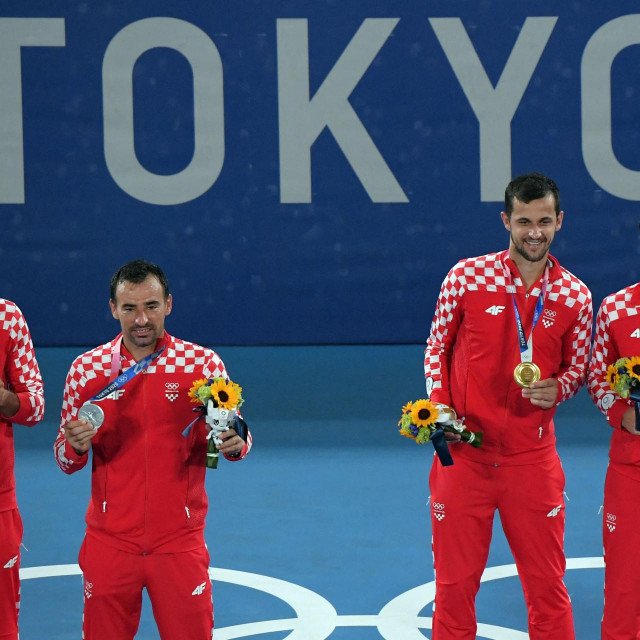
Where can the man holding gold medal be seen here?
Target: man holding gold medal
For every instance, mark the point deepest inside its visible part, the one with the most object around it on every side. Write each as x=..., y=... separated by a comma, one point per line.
x=509, y=341
x=613, y=386
x=130, y=401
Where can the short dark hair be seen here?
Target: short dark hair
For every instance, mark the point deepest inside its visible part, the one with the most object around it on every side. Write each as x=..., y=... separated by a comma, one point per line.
x=528, y=187
x=138, y=271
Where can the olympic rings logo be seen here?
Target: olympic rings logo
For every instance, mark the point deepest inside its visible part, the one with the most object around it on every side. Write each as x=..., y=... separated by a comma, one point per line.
x=438, y=506
x=171, y=385
x=550, y=314
x=317, y=619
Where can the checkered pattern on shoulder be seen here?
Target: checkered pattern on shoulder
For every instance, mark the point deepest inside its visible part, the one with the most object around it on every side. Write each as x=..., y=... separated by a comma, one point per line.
x=482, y=273
x=187, y=357
x=569, y=290
x=614, y=307
x=22, y=371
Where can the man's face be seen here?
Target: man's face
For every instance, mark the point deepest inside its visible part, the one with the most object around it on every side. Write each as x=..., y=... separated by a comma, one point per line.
x=141, y=309
x=532, y=227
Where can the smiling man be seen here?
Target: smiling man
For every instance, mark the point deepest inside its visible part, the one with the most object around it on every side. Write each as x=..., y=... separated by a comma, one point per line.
x=509, y=341
x=146, y=517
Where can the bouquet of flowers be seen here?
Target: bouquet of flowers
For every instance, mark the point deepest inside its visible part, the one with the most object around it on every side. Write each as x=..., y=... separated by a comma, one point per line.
x=220, y=399
x=422, y=418
x=623, y=377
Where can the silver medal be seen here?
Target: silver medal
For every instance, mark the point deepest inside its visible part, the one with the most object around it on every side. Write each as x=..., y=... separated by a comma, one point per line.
x=92, y=413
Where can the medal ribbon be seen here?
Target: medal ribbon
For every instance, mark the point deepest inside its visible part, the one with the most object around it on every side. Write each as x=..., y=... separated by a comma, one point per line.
x=127, y=375
x=441, y=447
x=526, y=346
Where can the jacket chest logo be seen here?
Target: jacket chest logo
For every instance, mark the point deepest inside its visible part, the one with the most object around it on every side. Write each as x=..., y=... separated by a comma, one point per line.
x=548, y=318
x=495, y=309
x=635, y=333
x=171, y=390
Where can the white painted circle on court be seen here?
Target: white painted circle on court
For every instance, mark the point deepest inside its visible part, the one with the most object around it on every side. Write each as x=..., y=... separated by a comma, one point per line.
x=316, y=618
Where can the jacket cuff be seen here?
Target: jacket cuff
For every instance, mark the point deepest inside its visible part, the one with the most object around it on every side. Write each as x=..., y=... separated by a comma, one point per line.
x=25, y=413
x=616, y=411
x=71, y=455
x=441, y=396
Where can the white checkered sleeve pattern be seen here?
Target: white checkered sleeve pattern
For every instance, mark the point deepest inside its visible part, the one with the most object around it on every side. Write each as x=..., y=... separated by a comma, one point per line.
x=84, y=368
x=444, y=326
x=613, y=307
x=570, y=291
x=22, y=371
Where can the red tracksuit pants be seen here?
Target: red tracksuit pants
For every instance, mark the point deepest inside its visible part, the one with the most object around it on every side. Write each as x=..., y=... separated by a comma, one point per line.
x=529, y=498
x=620, y=530
x=178, y=585
x=10, y=539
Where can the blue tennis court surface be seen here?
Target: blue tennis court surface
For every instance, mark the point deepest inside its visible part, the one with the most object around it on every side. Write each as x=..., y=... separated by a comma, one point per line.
x=323, y=531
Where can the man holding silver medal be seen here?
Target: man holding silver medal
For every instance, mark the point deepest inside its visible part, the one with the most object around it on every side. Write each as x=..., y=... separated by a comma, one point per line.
x=509, y=341
x=128, y=401
x=21, y=402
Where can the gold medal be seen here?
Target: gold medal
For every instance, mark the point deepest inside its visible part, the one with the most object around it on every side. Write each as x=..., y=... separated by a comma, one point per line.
x=526, y=373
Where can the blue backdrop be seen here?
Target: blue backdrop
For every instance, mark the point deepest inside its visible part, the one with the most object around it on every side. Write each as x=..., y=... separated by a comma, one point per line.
x=305, y=172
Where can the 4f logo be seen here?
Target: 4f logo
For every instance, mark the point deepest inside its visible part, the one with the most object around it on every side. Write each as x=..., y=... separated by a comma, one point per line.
x=12, y=563
x=438, y=511
x=554, y=512
x=114, y=395
x=171, y=390
x=635, y=333
x=495, y=309
x=199, y=590
x=611, y=522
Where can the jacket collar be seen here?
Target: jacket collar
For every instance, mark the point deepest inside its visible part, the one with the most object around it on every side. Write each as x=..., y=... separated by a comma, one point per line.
x=511, y=269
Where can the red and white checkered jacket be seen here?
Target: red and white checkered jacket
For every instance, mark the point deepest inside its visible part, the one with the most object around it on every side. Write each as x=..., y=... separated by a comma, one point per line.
x=147, y=479
x=21, y=374
x=473, y=349
x=617, y=336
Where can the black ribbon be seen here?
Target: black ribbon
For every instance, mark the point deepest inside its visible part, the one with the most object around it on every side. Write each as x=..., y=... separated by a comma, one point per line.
x=635, y=396
x=441, y=447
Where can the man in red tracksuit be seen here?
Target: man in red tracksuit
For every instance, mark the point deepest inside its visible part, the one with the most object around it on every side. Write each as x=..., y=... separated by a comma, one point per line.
x=21, y=402
x=146, y=517
x=475, y=351
x=618, y=336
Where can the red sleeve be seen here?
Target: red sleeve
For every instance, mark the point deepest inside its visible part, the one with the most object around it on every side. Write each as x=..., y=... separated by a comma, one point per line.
x=605, y=353
x=68, y=460
x=576, y=348
x=22, y=371
x=444, y=329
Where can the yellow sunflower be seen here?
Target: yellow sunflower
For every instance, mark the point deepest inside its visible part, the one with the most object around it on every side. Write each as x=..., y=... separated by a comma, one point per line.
x=633, y=367
x=612, y=376
x=196, y=385
x=227, y=394
x=424, y=413
x=405, y=410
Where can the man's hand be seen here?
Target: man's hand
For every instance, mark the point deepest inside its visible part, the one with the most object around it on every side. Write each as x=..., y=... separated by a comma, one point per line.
x=542, y=393
x=9, y=402
x=452, y=437
x=629, y=421
x=232, y=443
x=78, y=434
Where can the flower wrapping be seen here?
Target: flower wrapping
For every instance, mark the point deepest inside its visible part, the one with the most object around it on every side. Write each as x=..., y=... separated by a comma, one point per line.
x=219, y=401
x=422, y=418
